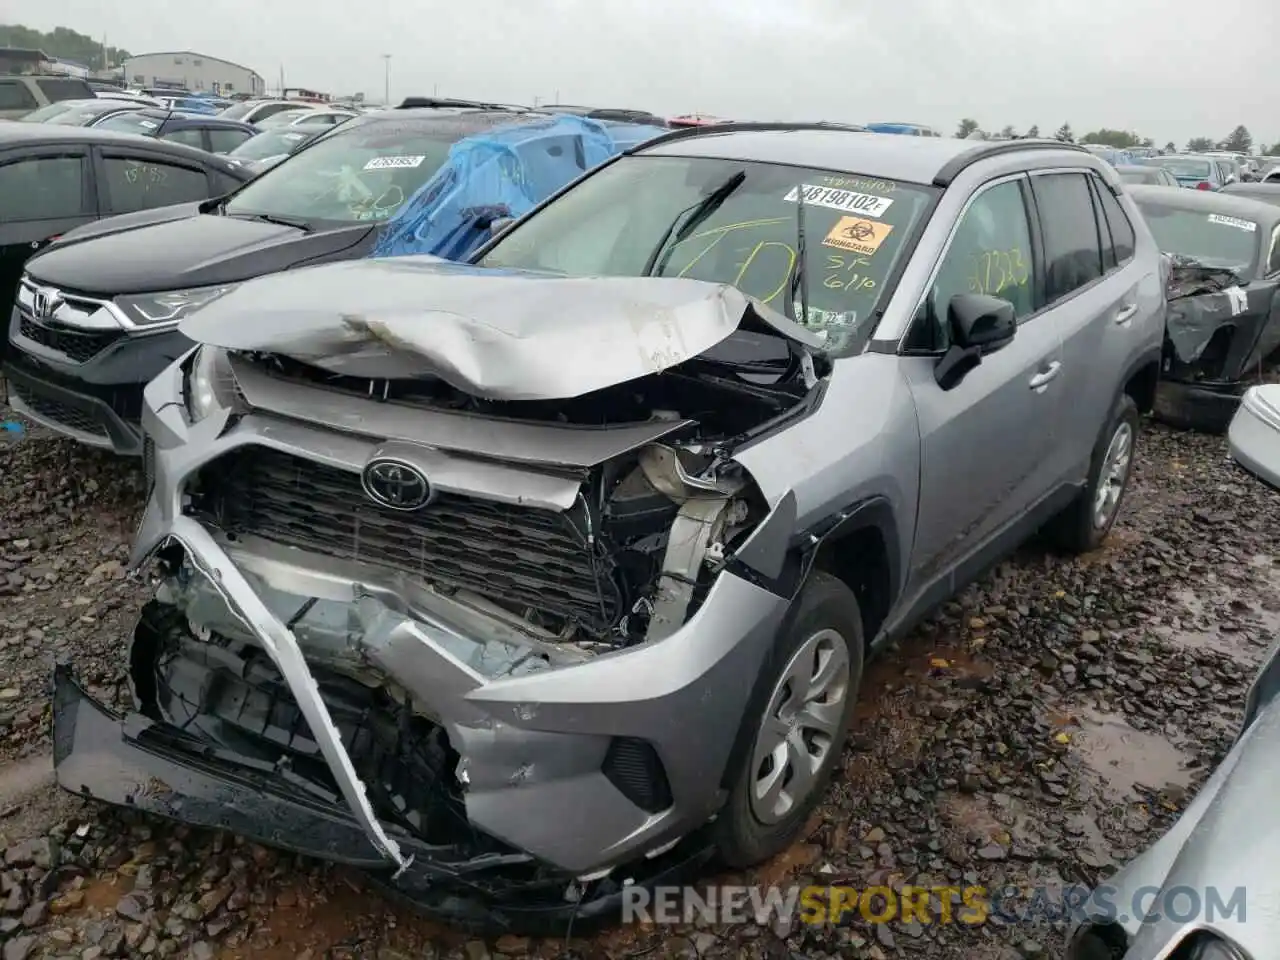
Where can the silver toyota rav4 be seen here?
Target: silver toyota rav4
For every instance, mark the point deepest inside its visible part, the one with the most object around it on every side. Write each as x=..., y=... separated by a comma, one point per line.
x=520, y=581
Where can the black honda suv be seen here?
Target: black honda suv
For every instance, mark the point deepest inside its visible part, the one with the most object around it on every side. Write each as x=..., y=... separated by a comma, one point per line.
x=96, y=313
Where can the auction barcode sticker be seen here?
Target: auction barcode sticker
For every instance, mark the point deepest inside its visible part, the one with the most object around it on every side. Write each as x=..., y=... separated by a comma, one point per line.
x=393, y=163
x=863, y=204
x=1236, y=222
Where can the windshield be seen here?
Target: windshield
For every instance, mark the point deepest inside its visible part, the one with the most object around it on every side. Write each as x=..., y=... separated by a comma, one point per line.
x=359, y=174
x=282, y=119
x=1140, y=176
x=1186, y=169
x=237, y=111
x=618, y=223
x=274, y=143
x=46, y=113
x=79, y=116
x=132, y=122
x=1212, y=239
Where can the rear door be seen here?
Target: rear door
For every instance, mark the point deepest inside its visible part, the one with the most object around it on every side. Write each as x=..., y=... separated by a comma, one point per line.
x=1094, y=296
x=44, y=192
x=137, y=178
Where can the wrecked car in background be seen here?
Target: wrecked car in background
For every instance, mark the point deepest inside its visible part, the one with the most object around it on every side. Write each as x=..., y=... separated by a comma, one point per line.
x=1224, y=315
x=1203, y=889
x=391, y=182
x=522, y=580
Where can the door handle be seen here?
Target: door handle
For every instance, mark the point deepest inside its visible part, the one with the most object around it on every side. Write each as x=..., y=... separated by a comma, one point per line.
x=1041, y=379
x=1126, y=314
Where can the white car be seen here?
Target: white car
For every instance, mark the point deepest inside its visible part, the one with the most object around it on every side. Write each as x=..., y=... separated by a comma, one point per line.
x=1254, y=435
x=255, y=111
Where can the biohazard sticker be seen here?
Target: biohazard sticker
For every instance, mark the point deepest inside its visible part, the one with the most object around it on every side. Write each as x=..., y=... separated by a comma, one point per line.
x=393, y=163
x=863, y=204
x=1247, y=225
x=857, y=235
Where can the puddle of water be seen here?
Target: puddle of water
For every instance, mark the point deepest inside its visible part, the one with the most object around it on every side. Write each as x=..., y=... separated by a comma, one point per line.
x=1126, y=758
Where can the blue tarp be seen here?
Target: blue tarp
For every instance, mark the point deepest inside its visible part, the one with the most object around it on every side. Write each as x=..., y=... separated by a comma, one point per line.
x=503, y=173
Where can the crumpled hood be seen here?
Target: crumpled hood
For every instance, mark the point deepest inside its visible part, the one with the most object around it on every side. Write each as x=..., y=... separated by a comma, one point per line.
x=498, y=334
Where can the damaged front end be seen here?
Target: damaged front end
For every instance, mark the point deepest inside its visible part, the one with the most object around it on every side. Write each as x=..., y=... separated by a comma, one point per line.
x=1220, y=333
x=492, y=645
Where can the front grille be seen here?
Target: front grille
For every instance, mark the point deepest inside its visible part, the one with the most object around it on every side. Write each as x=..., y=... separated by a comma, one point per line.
x=61, y=413
x=520, y=556
x=76, y=345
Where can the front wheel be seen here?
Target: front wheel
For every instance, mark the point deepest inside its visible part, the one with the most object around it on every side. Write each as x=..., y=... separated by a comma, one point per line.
x=799, y=722
x=1084, y=524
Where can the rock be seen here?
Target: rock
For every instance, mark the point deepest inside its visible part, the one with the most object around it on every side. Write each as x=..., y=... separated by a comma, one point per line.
x=1031, y=948
x=131, y=907
x=201, y=950
x=19, y=948
x=66, y=903
x=476, y=950
x=993, y=851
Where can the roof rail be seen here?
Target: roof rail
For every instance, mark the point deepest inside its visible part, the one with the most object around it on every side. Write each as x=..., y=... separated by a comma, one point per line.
x=994, y=148
x=414, y=103
x=743, y=126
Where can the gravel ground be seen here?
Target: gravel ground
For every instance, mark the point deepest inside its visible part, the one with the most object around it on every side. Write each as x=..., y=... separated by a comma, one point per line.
x=1045, y=727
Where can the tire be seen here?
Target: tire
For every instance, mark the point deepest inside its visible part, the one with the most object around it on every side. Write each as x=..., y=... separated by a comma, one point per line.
x=1081, y=527
x=828, y=624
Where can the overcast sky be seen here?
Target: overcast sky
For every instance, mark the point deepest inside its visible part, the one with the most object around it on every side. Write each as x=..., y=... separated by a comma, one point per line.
x=1169, y=70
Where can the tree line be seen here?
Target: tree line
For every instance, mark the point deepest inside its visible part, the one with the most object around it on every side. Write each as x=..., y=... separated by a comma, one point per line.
x=65, y=44
x=1238, y=141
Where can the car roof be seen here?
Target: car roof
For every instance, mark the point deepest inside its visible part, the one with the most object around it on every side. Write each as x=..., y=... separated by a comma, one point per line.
x=1136, y=168
x=1205, y=201
x=1191, y=156
x=924, y=160
x=14, y=133
x=1252, y=189
x=471, y=121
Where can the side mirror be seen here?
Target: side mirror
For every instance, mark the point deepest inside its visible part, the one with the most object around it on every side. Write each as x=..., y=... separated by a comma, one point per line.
x=978, y=320
x=979, y=324
x=500, y=225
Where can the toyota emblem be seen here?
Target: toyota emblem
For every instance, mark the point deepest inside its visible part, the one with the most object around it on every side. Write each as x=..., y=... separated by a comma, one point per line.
x=396, y=484
x=45, y=303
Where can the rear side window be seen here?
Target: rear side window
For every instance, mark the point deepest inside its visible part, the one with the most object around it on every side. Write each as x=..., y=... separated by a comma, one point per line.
x=64, y=88
x=190, y=136
x=14, y=95
x=226, y=140
x=1117, y=222
x=42, y=188
x=1072, y=253
x=144, y=184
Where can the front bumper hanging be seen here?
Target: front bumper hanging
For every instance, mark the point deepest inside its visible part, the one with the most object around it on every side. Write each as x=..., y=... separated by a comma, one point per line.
x=132, y=761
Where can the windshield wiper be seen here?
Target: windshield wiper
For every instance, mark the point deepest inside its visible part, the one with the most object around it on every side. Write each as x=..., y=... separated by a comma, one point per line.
x=296, y=222
x=686, y=222
x=799, y=275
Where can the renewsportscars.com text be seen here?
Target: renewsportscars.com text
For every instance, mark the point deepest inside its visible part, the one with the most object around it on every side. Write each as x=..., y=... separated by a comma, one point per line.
x=970, y=905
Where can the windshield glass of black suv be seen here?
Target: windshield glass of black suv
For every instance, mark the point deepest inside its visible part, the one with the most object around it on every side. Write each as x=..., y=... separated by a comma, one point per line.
x=738, y=223
x=363, y=173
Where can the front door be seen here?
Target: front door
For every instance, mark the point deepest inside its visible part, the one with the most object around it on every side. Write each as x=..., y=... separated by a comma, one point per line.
x=985, y=442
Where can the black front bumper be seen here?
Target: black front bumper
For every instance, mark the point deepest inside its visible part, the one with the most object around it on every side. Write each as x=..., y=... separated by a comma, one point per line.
x=132, y=761
x=1203, y=406
x=82, y=416
x=90, y=391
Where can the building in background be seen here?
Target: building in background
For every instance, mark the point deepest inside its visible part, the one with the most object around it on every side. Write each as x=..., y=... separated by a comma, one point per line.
x=191, y=71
